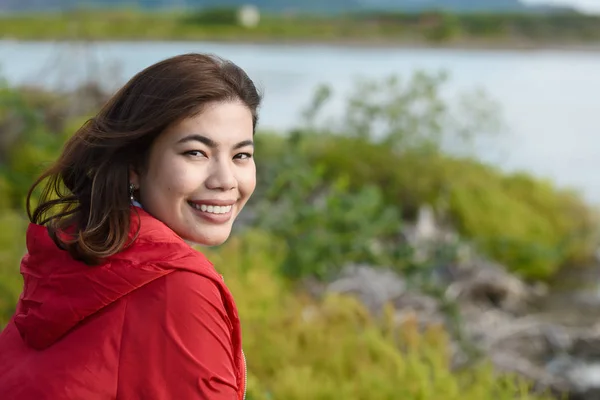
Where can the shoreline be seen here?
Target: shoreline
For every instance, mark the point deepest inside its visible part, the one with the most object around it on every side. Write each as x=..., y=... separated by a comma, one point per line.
x=379, y=43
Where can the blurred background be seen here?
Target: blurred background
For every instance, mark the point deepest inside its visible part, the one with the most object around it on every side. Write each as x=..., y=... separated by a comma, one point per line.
x=425, y=225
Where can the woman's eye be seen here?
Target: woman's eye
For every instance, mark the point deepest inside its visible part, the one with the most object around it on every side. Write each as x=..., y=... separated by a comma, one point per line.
x=195, y=153
x=243, y=156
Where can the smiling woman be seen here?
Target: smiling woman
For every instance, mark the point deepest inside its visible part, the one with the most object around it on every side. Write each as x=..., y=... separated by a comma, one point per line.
x=201, y=172
x=116, y=303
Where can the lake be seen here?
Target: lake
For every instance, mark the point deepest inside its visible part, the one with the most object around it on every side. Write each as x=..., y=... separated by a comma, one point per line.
x=550, y=100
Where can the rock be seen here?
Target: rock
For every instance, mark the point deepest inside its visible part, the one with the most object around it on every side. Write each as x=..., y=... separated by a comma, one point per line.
x=426, y=237
x=582, y=379
x=425, y=308
x=373, y=287
x=426, y=228
x=417, y=302
x=585, y=381
x=495, y=320
x=487, y=283
x=586, y=345
x=558, y=339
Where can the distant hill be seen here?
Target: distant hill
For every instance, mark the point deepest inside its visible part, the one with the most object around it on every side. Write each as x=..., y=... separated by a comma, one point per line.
x=277, y=6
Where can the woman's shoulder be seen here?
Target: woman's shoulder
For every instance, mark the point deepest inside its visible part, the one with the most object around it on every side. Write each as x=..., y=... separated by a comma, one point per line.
x=154, y=247
x=190, y=290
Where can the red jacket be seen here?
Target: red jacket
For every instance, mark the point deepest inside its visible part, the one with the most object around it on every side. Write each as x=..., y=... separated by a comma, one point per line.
x=154, y=322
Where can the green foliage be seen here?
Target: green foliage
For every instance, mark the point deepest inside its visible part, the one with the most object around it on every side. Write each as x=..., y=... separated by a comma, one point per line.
x=485, y=25
x=23, y=143
x=332, y=348
x=221, y=24
x=324, y=223
x=543, y=27
x=213, y=16
x=4, y=193
x=441, y=27
x=409, y=115
x=34, y=124
x=12, y=234
x=398, y=136
x=525, y=223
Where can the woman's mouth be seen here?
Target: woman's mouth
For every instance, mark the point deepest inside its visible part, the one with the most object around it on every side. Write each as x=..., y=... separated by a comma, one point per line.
x=211, y=212
x=213, y=209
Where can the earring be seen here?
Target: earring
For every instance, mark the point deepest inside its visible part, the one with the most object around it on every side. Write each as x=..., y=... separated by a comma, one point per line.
x=131, y=190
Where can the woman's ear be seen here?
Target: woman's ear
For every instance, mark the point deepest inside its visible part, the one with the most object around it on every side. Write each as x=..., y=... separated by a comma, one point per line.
x=134, y=177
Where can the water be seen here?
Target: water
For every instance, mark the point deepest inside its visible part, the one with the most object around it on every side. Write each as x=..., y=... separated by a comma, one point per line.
x=549, y=99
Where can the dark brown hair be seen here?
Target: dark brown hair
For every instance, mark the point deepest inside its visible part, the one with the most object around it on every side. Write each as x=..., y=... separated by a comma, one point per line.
x=84, y=198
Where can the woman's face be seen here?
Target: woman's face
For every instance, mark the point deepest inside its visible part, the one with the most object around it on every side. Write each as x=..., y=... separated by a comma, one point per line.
x=200, y=173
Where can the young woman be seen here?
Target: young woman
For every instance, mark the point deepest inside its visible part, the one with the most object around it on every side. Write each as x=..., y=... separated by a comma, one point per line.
x=116, y=303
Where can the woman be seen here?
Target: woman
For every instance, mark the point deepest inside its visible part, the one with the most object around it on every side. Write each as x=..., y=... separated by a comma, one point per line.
x=116, y=303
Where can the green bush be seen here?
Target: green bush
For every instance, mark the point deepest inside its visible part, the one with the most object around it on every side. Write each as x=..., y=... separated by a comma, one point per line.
x=526, y=223
x=326, y=224
x=523, y=222
x=393, y=136
x=298, y=348
x=441, y=27
x=213, y=16
x=12, y=248
x=35, y=127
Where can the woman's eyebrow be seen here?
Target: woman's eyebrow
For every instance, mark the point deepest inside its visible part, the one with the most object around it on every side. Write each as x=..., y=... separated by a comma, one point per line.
x=211, y=143
x=199, y=138
x=243, y=144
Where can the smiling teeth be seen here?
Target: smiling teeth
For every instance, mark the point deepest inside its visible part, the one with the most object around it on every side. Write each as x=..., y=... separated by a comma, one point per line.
x=212, y=209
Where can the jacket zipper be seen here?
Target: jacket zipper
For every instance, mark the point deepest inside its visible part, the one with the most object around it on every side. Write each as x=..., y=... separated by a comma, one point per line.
x=245, y=375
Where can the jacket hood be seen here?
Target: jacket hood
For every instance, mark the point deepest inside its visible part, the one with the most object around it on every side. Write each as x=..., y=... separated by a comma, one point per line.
x=60, y=292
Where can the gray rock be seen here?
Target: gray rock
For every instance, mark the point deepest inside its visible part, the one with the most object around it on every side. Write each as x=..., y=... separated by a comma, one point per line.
x=373, y=287
x=586, y=346
x=582, y=378
x=425, y=308
x=488, y=283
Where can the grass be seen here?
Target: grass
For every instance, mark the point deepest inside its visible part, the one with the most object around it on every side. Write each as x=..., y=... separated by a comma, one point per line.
x=472, y=29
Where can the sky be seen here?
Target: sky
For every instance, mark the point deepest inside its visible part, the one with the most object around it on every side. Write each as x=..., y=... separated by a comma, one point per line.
x=585, y=5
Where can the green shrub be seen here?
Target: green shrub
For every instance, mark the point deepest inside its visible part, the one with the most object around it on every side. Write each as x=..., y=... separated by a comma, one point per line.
x=12, y=248
x=298, y=348
x=213, y=16
x=33, y=122
x=440, y=27
x=326, y=224
x=396, y=135
x=523, y=222
x=4, y=194
x=526, y=223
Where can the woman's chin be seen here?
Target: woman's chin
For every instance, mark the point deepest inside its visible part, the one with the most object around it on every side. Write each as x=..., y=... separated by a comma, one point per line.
x=207, y=240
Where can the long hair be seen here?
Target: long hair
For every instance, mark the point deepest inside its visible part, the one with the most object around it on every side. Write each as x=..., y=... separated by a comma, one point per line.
x=84, y=200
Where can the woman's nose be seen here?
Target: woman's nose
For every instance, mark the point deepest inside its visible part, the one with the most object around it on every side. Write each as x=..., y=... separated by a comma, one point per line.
x=221, y=176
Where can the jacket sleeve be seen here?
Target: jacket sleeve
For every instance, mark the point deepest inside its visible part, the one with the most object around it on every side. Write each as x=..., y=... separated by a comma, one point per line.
x=177, y=342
